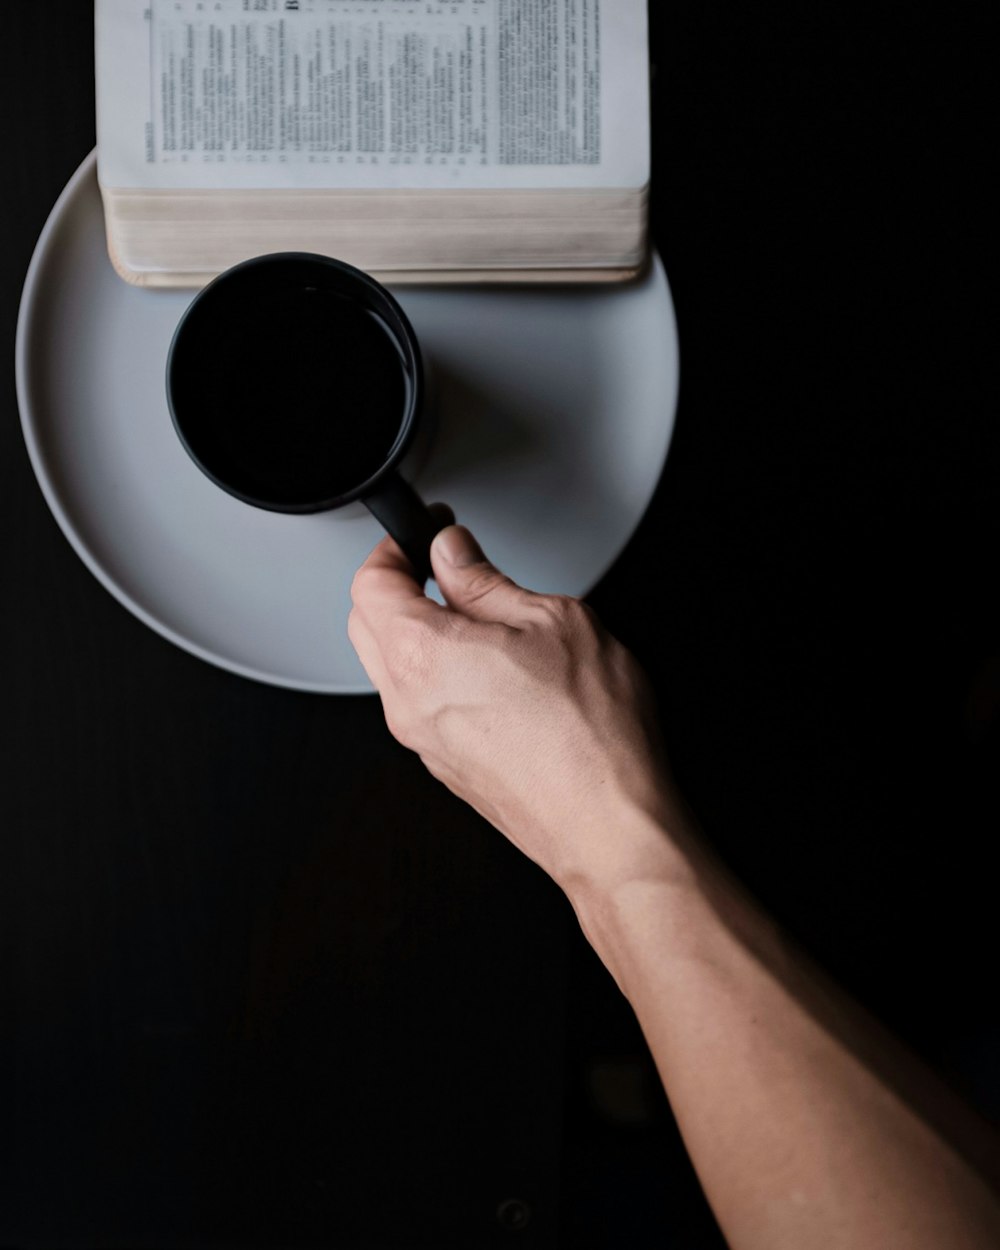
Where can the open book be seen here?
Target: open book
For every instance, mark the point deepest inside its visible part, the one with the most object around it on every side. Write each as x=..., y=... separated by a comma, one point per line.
x=417, y=139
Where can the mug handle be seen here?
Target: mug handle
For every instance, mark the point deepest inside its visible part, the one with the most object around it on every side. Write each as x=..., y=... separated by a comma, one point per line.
x=397, y=506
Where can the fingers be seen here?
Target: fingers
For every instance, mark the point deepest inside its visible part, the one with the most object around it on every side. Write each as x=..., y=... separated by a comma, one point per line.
x=470, y=583
x=385, y=581
x=388, y=600
x=368, y=650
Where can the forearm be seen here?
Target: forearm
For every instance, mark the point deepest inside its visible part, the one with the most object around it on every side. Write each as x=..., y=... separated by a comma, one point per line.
x=808, y=1126
x=789, y=1100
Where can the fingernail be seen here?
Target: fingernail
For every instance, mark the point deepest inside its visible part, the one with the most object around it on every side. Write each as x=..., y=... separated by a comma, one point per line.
x=458, y=547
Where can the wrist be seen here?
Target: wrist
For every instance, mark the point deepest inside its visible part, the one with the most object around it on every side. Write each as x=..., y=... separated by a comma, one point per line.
x=656, y=872
x=671, y=895
x=638, y=849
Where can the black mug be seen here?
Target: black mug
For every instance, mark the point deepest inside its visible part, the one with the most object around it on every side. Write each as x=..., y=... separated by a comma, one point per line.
x=295, y=383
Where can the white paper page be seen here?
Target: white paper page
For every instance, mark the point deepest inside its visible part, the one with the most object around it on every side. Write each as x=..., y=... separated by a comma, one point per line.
x=372, y=93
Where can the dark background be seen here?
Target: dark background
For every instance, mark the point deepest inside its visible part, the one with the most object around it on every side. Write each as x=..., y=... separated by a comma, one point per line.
x=264, y=983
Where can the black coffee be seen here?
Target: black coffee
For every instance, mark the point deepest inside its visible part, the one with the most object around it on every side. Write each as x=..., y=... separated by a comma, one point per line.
x=291, y=395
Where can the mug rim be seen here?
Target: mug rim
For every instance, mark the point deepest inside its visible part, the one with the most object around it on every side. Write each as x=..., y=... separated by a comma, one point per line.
x=402, y=331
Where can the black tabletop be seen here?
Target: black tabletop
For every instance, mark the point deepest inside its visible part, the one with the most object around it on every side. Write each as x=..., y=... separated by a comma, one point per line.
x=265, y=983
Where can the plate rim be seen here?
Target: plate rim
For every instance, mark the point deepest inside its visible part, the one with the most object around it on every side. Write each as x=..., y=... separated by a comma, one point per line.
x=22, y=354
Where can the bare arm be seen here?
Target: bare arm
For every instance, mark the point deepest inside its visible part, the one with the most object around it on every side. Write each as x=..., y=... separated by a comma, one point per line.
x=807, y=1124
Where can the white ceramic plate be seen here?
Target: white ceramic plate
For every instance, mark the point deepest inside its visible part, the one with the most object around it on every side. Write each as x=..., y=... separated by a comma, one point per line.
x=554, y=415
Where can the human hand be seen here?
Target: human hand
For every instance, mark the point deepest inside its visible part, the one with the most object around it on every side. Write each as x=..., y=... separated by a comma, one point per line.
x=522, y=704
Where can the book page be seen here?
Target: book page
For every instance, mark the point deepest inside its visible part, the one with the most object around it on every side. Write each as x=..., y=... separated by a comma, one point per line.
x=372, y=93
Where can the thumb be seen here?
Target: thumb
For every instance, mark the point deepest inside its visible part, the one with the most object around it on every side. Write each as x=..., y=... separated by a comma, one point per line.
x=469, y=583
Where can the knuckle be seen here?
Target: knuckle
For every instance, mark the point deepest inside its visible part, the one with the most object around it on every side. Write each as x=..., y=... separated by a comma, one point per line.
x=407, y=720
x=396, y=723
x=482, y=583
x=367, y=580
x=625, y=673
x=587, y=614
x=360, y=583
x=434, y=767
x=352, y=625
x=565, y=614
x=583, y=624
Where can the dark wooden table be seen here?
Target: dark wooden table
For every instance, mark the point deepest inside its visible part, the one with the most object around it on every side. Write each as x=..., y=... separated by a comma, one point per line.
x=265, y=983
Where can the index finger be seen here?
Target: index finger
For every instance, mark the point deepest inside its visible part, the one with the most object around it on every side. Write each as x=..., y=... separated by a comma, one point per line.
x=385, y=582
x=386, y=579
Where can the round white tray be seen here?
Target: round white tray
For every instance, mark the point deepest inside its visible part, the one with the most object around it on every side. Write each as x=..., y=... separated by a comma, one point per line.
x=554, y=411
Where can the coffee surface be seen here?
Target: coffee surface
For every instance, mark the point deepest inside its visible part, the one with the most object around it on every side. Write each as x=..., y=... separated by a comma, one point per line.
x=292, y=396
